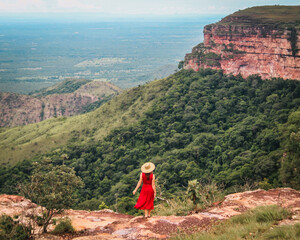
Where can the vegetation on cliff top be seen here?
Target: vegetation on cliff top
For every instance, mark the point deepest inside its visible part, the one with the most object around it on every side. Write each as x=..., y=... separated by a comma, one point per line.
x=286, y=16
x=193, y=125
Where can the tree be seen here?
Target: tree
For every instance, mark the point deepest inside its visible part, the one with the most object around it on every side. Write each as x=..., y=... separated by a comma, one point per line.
x=51, y=187
x=180, y=64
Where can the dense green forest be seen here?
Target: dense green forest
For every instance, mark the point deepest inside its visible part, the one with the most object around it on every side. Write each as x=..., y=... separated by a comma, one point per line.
x=202, y=125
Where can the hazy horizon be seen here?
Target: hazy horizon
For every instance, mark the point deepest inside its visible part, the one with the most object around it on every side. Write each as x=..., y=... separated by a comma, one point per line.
x=129, y=8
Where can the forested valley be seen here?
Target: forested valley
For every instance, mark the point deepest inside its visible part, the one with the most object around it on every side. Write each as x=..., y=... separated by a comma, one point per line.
x=202, y=125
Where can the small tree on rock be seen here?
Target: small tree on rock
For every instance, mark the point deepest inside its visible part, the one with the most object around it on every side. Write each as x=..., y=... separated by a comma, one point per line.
x=53, y=188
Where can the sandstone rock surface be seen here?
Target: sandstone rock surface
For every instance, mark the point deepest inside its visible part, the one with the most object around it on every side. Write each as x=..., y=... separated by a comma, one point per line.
x=106, y=224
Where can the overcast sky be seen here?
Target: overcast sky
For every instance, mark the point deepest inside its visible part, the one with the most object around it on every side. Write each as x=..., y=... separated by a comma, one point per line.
x=134, y=7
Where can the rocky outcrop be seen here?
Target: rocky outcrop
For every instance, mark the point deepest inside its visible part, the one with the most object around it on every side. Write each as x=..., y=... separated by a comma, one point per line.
x=17, y=109
x=15, y=205
x=106, y=224
x=246, y=43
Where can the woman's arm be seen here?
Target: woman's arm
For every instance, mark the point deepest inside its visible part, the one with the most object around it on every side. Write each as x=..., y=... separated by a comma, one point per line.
x=138, y=184
x=153, y=185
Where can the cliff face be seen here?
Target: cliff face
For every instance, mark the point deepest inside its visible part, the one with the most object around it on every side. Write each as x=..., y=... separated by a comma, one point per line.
x=17, y=109
x=247, y=44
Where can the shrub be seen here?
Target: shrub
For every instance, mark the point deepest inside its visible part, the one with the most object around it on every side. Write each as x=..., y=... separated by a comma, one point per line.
x=10, y=229
x=20, y=232
x=64, y=226
x=6, y=223
x=102, y=205
x=202, y=194
x=265, y=184
x=92, y=204
x=125, y=205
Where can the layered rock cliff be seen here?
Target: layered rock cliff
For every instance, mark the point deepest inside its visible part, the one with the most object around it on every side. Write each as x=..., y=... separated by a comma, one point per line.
x=18, y=109
x=259, y=40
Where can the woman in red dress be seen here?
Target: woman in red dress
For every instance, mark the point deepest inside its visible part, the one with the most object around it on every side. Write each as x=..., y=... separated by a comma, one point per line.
x=148, y=192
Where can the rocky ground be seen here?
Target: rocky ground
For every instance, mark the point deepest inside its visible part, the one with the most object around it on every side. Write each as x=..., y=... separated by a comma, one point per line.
x=106, y=224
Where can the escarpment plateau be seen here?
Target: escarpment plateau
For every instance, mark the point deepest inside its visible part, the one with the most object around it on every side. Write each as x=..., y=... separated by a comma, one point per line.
x=259, y=40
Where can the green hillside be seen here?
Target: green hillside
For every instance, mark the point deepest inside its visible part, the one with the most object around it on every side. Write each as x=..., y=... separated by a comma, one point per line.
x=193, y=125
x=19, y=143
x=67, y=86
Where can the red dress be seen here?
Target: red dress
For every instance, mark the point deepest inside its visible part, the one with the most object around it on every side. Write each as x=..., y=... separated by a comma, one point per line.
x=146, y=198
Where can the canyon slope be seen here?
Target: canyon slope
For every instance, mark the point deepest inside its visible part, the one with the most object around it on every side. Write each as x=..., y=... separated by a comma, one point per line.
x=106, y=224
x=259, y=40
x=69, y=98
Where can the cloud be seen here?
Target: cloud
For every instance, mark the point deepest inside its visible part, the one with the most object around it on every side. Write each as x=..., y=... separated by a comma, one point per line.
x=27, y=6
x=78, y=6
x=22, y=6
x=133, y=6
x=111, y=6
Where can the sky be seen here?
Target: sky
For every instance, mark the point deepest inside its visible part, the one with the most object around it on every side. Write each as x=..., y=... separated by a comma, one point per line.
x=134, y=7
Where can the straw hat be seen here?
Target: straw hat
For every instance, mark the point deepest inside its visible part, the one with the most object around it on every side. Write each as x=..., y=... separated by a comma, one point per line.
x=148, y=167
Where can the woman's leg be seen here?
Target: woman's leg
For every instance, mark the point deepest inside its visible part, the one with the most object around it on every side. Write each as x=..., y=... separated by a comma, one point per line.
x=146, y=213
x=149, y=213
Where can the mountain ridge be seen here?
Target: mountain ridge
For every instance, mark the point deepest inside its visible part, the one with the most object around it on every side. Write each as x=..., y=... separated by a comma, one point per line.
x=30, y=140
x=71, y=97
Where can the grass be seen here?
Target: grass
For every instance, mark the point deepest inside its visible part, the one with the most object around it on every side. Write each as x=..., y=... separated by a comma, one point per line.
x=208, y=194
x=259, y=223
x=265, y=15
x=284, y=232
x=262, y=215
x=176, y=207
x=19, y=143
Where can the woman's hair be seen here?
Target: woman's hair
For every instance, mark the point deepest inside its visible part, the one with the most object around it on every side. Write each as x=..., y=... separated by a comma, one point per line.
x=148, y=175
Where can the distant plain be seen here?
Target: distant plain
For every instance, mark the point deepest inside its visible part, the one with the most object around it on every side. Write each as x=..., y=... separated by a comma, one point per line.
x=127, y=53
